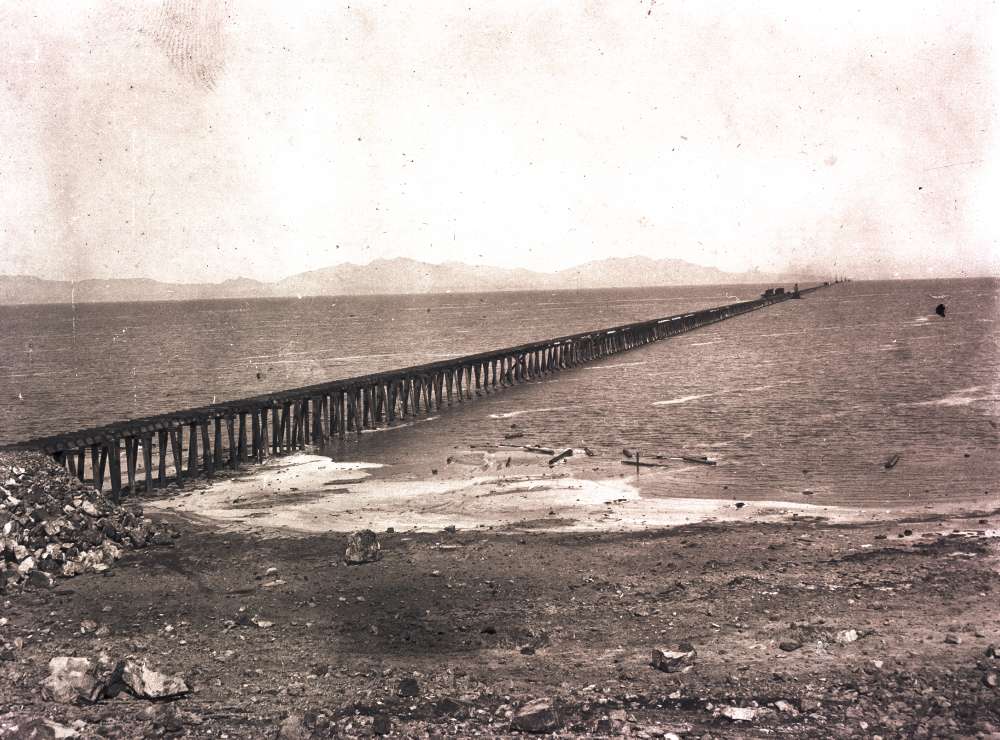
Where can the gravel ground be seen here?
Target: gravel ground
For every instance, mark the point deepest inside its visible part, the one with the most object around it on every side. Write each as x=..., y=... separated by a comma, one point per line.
x=805, y=628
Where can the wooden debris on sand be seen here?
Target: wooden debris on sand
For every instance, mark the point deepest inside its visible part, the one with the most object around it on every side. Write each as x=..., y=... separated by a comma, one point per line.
x=568, y=452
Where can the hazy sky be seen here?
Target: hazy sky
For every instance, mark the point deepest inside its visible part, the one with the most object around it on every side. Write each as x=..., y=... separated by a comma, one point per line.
x=198, y=141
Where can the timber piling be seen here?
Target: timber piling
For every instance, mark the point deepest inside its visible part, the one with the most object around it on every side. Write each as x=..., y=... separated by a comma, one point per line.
x=252, y=429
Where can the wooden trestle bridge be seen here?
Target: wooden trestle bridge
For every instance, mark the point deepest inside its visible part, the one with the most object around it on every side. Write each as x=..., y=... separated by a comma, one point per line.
x=200, y=441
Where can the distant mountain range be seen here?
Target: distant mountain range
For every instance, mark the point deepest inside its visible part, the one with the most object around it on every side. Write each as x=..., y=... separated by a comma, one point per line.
x=386, y=276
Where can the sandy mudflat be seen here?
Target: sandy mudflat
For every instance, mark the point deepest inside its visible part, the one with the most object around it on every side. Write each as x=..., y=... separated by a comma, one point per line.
x=491, y=490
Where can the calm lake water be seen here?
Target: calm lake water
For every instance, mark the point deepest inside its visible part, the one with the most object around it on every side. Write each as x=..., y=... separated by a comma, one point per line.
x=807, y=395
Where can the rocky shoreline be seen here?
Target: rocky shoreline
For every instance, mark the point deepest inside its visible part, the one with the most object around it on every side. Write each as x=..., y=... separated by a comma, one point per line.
x=803, y=628
x=54, y=526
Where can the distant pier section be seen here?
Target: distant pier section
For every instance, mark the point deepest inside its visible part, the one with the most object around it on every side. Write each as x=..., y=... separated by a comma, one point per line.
x=170, y=448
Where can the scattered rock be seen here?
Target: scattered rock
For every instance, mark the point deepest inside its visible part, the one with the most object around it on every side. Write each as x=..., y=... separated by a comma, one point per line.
x=536, y=716
x=608, y=726
x=38, y=728
x=293, y=728
x=673, y=661
x=71, y=680
x=57, y=525
x=809, y=705
x=786, y=707
x=952, y=639
x=741, y=714
x=451, y=707
x=40, y=579
x=164, y=718
x=846, y=637
x=147, y=683
x=990, y=679
x=789, y=645
x=381, y=725
x=409, y=687
x=27, y=565
x=362, y=547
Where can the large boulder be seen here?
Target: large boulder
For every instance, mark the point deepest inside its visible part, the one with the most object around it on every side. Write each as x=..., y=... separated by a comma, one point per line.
x=674, y=661
x=71, y=680
x=147, y=683
x=536, y=716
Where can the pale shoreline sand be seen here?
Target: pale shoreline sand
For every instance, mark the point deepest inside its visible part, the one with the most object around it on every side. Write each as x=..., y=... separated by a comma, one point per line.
x=501, y=491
